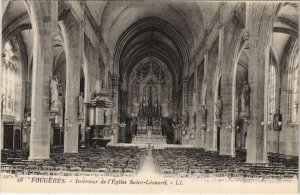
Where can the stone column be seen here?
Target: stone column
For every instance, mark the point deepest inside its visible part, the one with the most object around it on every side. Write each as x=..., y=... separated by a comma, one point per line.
x=209, y=103
x=203, y=94
x=115, y=94
x=259, y=51
x=221, y=35
x=41, y=74
x=212, y=78
x=1, y=87
x=185, y=107
x=74, y=59
x=227, y=133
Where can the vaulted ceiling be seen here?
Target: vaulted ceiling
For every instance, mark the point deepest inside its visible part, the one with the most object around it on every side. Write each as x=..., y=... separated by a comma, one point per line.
x=173, y=36
x=285, y=30
x=189, y=18
x=116, y=19
x=16, y=22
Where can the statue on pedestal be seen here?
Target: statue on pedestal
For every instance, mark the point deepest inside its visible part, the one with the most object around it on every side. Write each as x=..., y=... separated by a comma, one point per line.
x=81, y=106
x=203, y=117
x=219, y=110
x=82, y=132
x=245, y=100
x=54, y=94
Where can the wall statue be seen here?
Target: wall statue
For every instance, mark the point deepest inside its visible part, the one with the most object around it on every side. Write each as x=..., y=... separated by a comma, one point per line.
x=80, y=106
x=203, y=117
x=82, y=131
x=219, y=108
x=54, y=93
x=245, y=100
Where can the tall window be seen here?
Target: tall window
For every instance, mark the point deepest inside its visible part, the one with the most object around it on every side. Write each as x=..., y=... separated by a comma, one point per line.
x=8, y=80
x=294, y=89
x=272, y=93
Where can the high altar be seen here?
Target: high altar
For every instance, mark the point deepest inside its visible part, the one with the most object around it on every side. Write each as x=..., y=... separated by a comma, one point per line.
x=149, y=129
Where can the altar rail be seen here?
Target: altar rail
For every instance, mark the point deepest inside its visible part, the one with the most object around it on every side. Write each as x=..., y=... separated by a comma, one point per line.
x=157, y=139
x=153, y=146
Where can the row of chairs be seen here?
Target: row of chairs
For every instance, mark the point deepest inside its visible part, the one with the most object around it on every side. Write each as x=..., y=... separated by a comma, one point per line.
x=9, y=155
x=111, y=161
x=64, y=171
x=282, y=160
x=194, y=162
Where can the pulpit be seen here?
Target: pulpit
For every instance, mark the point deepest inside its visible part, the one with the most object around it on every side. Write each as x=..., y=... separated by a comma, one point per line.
x=100, y=119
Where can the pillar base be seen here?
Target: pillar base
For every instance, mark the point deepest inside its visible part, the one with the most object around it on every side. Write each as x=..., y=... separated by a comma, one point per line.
x=227, y=154
x=257, y=162
x=211, y=150
x=70, y=152
x=39, y=158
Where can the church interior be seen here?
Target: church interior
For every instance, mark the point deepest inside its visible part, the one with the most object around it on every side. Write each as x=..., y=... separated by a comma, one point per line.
x=195, y=88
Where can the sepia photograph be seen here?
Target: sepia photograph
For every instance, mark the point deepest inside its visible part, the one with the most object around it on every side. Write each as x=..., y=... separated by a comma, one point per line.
x=149, y=96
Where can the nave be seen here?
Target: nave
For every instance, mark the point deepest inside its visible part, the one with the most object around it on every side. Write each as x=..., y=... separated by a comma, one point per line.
x=147, y=162
x=169, y=89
